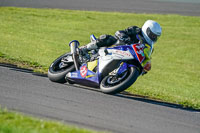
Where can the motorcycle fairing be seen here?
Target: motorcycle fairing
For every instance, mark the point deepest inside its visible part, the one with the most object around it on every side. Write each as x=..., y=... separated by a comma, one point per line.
x=84, y=76
x=113, y=56
x=109, y=59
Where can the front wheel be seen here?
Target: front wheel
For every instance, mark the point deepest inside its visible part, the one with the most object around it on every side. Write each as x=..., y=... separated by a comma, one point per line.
x=59, y=68
x=113, y=84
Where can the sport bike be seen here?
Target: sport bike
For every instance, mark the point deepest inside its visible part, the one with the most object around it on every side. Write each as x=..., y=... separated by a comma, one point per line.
x=111, y=69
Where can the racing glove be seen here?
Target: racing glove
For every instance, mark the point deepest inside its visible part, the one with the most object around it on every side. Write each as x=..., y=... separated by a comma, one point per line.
x=147, y=66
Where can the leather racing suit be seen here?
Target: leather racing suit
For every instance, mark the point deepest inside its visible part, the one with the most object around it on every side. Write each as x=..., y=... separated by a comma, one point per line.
x=132, y=34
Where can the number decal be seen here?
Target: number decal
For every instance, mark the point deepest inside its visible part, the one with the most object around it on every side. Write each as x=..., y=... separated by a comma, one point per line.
x=83, y=71
x=139, y=50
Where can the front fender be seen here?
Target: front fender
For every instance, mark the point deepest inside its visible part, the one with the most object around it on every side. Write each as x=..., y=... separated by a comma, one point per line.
x=135, y=63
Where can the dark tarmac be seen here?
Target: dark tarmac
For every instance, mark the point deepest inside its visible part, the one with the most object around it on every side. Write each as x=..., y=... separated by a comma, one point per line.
x=183, y=7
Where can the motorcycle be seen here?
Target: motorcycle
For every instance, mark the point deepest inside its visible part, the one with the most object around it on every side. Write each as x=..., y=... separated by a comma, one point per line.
x=112, y=69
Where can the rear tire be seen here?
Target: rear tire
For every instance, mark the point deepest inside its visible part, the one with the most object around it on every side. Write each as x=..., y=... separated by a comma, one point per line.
x=57, y=74
x=107, y=87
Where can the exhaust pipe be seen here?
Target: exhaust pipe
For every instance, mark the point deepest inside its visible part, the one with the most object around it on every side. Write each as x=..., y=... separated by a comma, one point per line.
x=74, y=46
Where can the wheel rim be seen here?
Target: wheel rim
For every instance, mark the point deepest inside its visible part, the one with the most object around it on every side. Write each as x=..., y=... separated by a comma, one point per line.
x=114, y=79
x=61, y=65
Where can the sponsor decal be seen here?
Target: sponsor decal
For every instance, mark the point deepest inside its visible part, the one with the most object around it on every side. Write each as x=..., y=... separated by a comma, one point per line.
x=124, y=53
x=83, y=71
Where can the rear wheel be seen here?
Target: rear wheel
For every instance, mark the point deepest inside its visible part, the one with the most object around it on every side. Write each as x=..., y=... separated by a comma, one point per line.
x=113, y=84
x=59, y=68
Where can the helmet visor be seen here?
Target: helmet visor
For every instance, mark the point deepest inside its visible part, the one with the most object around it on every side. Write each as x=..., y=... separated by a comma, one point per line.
x=152, y=35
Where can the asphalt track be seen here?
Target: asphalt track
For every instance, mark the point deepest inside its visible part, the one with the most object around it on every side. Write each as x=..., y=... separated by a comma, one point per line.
x=23, y=91
x=26, y=92
x=184, y=7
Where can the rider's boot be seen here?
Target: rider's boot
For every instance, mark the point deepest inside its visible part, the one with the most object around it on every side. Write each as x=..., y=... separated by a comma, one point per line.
x=90, y=46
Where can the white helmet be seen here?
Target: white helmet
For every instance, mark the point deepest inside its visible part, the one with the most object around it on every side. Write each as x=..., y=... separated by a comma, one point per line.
x=151, y=30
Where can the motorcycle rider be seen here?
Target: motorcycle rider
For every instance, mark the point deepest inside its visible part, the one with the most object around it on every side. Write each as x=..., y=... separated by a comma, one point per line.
x=147, y=35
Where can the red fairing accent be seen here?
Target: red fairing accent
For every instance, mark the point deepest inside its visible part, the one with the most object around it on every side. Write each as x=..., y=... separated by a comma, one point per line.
x=139, y=50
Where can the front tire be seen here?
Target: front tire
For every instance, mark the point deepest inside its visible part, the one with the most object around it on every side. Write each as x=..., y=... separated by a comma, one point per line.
x=56, y=73
x=109, y=86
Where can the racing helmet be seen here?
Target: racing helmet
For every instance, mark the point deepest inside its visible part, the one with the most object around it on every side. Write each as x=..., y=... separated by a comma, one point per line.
x=151, y=31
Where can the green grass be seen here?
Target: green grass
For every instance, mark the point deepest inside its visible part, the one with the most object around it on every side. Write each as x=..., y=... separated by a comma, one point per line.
x=11, y=122
x=38, y=36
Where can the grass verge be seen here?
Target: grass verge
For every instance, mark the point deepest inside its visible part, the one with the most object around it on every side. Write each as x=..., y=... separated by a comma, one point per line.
x=11, y=122
x=35, y=37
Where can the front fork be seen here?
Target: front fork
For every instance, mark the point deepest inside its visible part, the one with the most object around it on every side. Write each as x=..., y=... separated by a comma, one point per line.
x=121, y=69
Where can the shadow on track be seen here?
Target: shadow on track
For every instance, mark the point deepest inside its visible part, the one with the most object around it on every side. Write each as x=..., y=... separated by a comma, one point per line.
x=156, y=102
